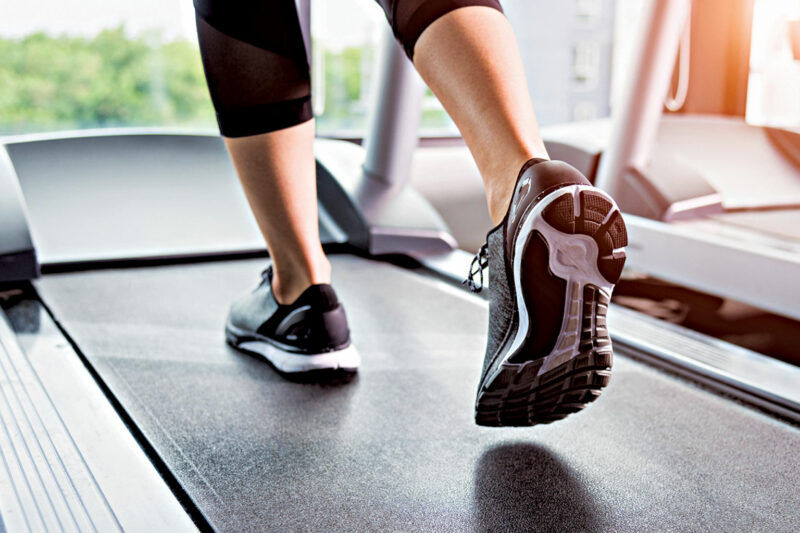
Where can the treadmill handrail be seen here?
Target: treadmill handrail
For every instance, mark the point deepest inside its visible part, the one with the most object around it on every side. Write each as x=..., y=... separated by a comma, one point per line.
x=635, y=123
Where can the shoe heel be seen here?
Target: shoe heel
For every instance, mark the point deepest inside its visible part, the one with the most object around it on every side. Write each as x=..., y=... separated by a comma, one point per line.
x=591, y=212
x=231, y=338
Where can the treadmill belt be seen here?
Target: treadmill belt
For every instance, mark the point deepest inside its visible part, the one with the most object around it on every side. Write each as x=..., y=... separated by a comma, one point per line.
x=396, y=448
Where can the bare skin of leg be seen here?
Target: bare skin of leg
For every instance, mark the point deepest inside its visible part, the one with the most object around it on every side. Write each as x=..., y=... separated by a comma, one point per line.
x=277, y=171
x=470, y=60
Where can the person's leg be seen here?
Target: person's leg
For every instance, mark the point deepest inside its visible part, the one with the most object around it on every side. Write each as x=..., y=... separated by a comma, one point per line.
x=258, y=77
x=470, y=60
x=277, y=171
x=557, y=249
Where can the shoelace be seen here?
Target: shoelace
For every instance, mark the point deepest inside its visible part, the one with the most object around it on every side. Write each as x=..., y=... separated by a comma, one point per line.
x=266, y=274
x=476, y=268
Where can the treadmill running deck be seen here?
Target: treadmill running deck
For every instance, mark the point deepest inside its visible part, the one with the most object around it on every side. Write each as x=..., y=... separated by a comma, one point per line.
x=396, y=448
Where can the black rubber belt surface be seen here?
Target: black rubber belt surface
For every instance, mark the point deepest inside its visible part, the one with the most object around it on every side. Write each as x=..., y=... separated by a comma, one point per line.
x=396, y=449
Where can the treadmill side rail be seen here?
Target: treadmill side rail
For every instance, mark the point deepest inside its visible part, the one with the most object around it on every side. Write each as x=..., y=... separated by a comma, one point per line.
x=748, y=271
x=83, y=470
x=750, y=377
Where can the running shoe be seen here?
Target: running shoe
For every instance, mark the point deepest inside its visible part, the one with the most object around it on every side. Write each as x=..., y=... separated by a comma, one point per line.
x=310, y=334
x=553, y=262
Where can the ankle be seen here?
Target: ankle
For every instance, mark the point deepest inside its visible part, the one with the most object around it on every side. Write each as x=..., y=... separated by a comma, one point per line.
x=500, y=184
x=498, y=200
x=289, y=280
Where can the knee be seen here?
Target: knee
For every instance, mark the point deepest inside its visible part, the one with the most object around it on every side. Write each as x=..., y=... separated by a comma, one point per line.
x=255, y=64
x=409, y=18
x=264, y=118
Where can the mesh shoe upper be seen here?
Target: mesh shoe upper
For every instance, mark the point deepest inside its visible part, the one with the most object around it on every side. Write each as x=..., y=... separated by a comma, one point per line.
x=537, y=179
x=314, y=323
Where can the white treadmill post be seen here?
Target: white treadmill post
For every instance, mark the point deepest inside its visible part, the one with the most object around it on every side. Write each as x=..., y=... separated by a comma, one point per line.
x=635, y=122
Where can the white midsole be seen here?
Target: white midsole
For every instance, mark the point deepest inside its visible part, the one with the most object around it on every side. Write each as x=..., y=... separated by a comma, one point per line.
x=290, y=363
x=572, y=258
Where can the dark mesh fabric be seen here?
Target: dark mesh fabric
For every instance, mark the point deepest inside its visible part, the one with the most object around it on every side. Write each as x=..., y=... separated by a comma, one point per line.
x=255, y=63
x=409, y=18
x=502, y=311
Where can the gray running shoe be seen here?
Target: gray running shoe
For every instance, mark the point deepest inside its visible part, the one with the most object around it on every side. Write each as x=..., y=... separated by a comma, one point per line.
x=553, y=262
x=311, y=334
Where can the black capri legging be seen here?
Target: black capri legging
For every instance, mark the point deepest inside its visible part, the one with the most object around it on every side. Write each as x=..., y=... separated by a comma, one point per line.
x=255, y=59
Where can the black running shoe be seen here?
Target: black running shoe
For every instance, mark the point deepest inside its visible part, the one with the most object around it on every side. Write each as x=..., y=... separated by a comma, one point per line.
x=308, y=335
x=553, y=262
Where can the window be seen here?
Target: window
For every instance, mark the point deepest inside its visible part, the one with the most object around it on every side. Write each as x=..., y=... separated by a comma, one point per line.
x=72, y=64
x=68, y=65
x=77, y=64
x=347, y=38
x=773, y=90
x=588, y=10
x=584, y=111
x=586, y=62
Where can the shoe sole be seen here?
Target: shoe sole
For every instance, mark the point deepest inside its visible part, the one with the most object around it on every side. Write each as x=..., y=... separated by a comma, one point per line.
x=346, y=359
x=572, y=243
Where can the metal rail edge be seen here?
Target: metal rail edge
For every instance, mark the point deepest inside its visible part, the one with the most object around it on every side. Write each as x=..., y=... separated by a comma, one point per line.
x=67, y=460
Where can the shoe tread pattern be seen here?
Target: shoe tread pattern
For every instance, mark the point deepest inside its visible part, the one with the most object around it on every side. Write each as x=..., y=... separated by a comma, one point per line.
x=597, y=218
x=519, y=396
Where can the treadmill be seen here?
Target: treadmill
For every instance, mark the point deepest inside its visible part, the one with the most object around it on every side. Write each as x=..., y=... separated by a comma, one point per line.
x=122, y=407
x=702, y=182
